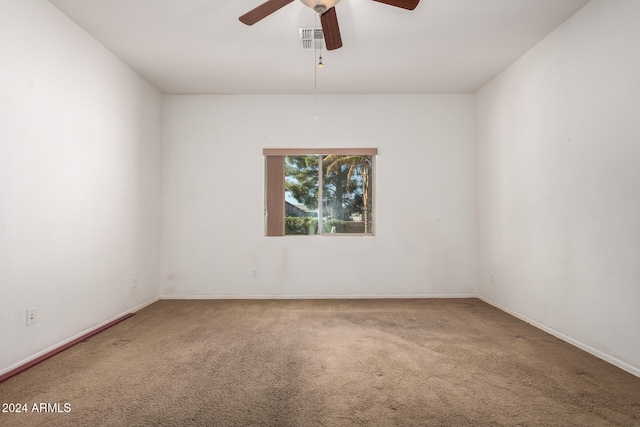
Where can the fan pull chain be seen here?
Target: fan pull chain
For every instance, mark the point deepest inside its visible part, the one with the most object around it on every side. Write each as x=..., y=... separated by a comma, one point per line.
x=315, y=90
x=315, y=73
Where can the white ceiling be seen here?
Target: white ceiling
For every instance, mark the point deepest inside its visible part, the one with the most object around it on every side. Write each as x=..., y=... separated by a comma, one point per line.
x=200, y=46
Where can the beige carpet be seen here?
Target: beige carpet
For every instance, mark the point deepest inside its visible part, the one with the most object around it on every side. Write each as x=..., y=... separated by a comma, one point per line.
x=324, y=363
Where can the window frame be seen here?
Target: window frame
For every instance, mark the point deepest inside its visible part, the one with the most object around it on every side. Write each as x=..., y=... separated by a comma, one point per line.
x=274, y=159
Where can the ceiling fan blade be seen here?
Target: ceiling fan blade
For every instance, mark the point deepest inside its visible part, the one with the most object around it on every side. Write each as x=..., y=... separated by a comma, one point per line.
x=262, y=11
x=405, y=4
x=330, y=29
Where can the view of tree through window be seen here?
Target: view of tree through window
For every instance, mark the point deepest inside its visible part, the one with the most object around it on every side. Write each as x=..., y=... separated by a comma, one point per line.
x=342, y=182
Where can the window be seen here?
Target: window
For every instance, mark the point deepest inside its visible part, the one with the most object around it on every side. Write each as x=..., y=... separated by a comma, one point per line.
x=319, y=191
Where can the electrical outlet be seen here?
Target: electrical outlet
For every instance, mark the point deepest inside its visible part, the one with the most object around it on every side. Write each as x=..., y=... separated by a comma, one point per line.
x=31, y=316
x=492, y=277
x=134, y=282
x=254, y=272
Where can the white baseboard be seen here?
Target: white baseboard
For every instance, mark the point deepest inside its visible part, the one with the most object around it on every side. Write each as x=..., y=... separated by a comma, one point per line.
x=86, y=331
x=359, y=296
x=599, y=354
x=143, y=305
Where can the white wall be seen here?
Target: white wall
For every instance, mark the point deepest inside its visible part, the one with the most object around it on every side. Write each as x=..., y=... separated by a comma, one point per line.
x=558, y=138
x=79, y=182
x=213, y=190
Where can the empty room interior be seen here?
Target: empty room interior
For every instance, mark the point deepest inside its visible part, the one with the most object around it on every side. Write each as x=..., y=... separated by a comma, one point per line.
x=482, y=265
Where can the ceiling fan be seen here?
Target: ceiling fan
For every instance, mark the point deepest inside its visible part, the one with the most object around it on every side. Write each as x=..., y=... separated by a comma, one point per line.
x=325, y=8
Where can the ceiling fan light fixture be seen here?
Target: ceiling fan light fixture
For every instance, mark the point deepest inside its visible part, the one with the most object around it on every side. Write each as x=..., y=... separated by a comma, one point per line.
x=320, y=6
x=326, y=10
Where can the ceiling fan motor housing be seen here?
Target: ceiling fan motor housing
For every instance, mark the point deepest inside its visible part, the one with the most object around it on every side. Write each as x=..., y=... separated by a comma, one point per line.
x=320, y=6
